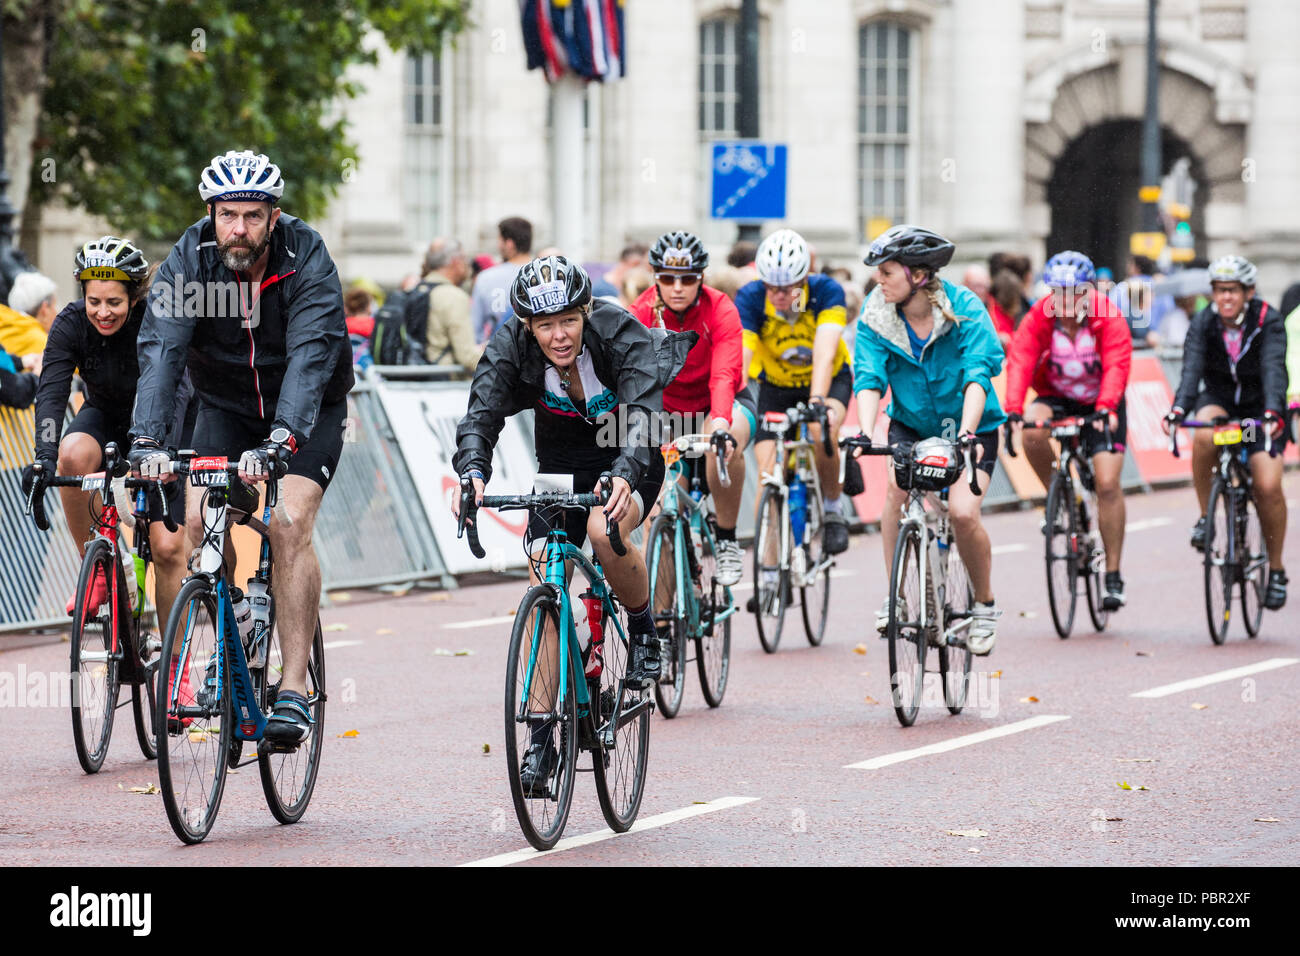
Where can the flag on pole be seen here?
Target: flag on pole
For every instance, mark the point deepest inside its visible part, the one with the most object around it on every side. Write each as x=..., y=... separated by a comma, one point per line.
x=582, y=36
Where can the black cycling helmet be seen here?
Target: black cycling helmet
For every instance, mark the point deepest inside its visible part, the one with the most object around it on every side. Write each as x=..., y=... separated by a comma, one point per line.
x=549, y=285
x=110, y=258
x=679, y=251
x=910, y=246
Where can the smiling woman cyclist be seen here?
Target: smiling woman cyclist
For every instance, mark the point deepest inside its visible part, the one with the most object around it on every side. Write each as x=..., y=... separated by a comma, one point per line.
x=932, y=343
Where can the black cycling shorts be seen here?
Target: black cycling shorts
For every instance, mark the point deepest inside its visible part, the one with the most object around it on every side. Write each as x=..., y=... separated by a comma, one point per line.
x=1093, y=439
x=898, y=432
x=218, y=432
x=105, y=428
x=773, y=399
x=1240, y=411
x=573, y=521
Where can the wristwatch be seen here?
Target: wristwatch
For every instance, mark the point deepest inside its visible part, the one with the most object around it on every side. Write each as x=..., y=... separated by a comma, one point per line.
x=282, y=436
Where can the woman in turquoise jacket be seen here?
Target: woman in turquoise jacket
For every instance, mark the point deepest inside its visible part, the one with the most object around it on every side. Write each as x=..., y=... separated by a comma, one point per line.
x=933, y=345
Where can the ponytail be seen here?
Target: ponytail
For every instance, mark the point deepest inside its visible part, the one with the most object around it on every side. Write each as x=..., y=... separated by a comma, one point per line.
x=933, y=289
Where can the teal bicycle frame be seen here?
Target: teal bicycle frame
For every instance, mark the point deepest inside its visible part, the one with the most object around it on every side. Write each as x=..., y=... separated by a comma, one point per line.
x=689, y=505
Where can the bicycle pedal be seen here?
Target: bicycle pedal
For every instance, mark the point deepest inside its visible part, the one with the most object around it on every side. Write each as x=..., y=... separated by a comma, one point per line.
x=267, y=747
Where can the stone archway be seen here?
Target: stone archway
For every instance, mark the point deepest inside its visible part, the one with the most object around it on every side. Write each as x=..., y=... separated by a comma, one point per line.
x=1083, y=92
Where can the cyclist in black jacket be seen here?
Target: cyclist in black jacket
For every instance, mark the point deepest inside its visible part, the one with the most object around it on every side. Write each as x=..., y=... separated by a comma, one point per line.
x=1234, y=364
x=96, y=336
x=249, y=300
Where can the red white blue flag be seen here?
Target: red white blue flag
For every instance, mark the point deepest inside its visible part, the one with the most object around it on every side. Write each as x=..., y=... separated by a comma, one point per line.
x=585, y=37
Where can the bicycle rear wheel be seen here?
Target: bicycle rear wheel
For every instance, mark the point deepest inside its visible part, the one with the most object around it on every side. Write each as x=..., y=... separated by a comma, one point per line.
x=144, y=695
x=906, y=636
x=1219, y=573
x=1091, y=551
x=771, y=583
x=1254, y=564
x=1062, y=552
x=713, y=645
x=662, y=566
x=289, y=778
x=193, y=730
x=533, y=712
x=955, y=659
x=815, y=588
x=95, y=665
x=622, y=735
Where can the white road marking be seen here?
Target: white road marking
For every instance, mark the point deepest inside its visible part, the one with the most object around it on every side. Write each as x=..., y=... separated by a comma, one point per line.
x=1009, y=548
x=875, y=763
x=481, y=622
x=329, y=644
x=749, y=585
x=647, y=823
x=1146, y=523
x=1182, y=685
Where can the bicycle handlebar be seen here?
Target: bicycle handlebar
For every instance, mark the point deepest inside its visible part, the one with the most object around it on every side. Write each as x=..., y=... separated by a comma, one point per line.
x=550, y=499
x=181, y=467
x=113, y=479
x=864, y=446
x=1216, y=423
x=699, y=444
x=1053, y=423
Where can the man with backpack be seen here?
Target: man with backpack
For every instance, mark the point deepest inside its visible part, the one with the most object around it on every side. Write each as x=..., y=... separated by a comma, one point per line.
x=448, y=337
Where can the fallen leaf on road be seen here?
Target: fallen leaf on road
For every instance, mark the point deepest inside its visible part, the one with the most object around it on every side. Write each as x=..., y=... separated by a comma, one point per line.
x=336, y=626
x=487, y=748
x=996, y=674
x=439, y=596
x=1145, y=654
x=871, y=700
x=400, y=593
x=464, y=653
x=860, y=649
x=1114, y=819
x=1028, y=700
x=974, y=849
x=1136, y=759
x=340, y=596
x=1125, y=785
x=1199, y=706
x=147, y=788
x=198, y=736
x=1267, y=820
x=385, y=630
x=967, y=833
x=700, y=803
x=1029, y=614
x=349, y=733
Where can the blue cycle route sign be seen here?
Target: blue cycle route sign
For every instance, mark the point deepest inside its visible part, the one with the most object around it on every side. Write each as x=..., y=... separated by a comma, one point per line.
x=748, y=180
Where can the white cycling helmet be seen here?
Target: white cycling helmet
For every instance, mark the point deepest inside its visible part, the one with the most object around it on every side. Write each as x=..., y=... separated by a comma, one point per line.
x=243, y=176
x=1233, y=269
x=782, y=258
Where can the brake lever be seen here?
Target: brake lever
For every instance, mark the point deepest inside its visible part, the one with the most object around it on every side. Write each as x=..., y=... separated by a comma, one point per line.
x=968, y=449
x=611, y=527
x=463, y=524
x=36, y=498
x=720, y=441
x=1011, y=444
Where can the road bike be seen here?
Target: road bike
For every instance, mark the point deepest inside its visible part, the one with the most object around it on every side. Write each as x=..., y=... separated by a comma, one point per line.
x=1235, y=557
x=220, y=691
x=110, y=646
x=788, y=547
x=552, y=700
x=690, y=606
x=930, y=594
x=1073, y=548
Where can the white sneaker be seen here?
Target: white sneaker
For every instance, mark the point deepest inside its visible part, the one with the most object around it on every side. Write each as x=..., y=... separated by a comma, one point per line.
x=882, y=615
x=731, y=563
x=983, y=631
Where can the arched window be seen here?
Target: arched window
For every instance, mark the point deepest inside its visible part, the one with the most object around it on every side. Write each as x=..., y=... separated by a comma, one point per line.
x=886, y=120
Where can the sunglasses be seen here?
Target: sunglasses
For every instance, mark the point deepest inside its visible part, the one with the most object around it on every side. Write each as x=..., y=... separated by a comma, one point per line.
x=687, y=280
x=782, y=289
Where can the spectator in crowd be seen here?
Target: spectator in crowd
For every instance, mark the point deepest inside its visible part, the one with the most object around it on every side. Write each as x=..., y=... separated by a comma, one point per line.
x=741, y=257
x=17, y=389
x=1006, y=304
x=727, y=279
x=1142, y=308
x=410, y=281
x=366, y=284
x=1105, y=281
x=631, y=259
x=635, y=284
x=490, y=305
x=1290, y=299
x=977, y=279
x=1173, y=331
x=25, y=324
x=359, y=310
x=449, y=339
x=476, y=267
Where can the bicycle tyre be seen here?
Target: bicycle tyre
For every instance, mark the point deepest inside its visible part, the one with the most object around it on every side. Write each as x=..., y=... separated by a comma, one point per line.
x=1061, y=536
x=662, y=568
x=769, y=603
x=954, y=660
x=192, y=757
x=907, y=640
x=94, y=665
x=1254, y=572
x=288, y=779
x=815, y=598
x=144, y=695
x=1093, y=563
x=713, y=643
x=1219, y=577
x=620, y=770
x=541, y=817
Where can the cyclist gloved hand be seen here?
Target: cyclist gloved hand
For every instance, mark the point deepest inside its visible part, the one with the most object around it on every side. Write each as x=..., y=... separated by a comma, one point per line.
x=149, y=459
x=269, y=459
x=1111, y=419
x=1173, y=419
x=1273, y=423
x=40, y=470
x=475, y=477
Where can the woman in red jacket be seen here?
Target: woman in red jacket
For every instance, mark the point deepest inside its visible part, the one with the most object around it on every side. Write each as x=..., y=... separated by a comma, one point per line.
x=1074, y=347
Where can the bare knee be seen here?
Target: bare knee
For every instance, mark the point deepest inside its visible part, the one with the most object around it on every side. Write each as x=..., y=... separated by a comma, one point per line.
x=79, y=454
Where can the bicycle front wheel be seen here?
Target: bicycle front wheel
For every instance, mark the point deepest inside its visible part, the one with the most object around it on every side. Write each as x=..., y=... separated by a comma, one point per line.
x=289, y=778
x=1091, y=551
x=815, y=588
x=713, y=645
x=905, y=632
x=622, y=735
x=955, y=659
x=542, y=789
x=771, y=583
x=95, y=665
x=662, y=567
x=1254, y=564
x=1062, y=552
x=194, y=713
x=1220, y=551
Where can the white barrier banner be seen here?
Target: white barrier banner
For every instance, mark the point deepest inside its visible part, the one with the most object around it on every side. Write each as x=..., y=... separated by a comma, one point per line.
x=424, y=419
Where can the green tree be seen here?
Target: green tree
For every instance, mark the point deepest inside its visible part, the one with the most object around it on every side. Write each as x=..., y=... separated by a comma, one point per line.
x=143, y=93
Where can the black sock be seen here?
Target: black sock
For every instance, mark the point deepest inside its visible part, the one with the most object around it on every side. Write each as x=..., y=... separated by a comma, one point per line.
x=726, y=534
x=640, y=620
x=541, y=731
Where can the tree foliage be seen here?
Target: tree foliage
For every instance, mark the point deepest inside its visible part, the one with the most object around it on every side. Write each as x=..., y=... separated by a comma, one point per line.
x=143, y=93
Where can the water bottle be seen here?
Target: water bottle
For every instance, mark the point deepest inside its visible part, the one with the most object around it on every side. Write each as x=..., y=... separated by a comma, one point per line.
x=243, y=616
x=595, y=614
x=259, y=600
x=798, y=509
x=133, y=568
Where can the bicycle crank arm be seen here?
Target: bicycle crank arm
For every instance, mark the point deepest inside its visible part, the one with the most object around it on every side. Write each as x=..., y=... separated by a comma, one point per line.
x=623, y=718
